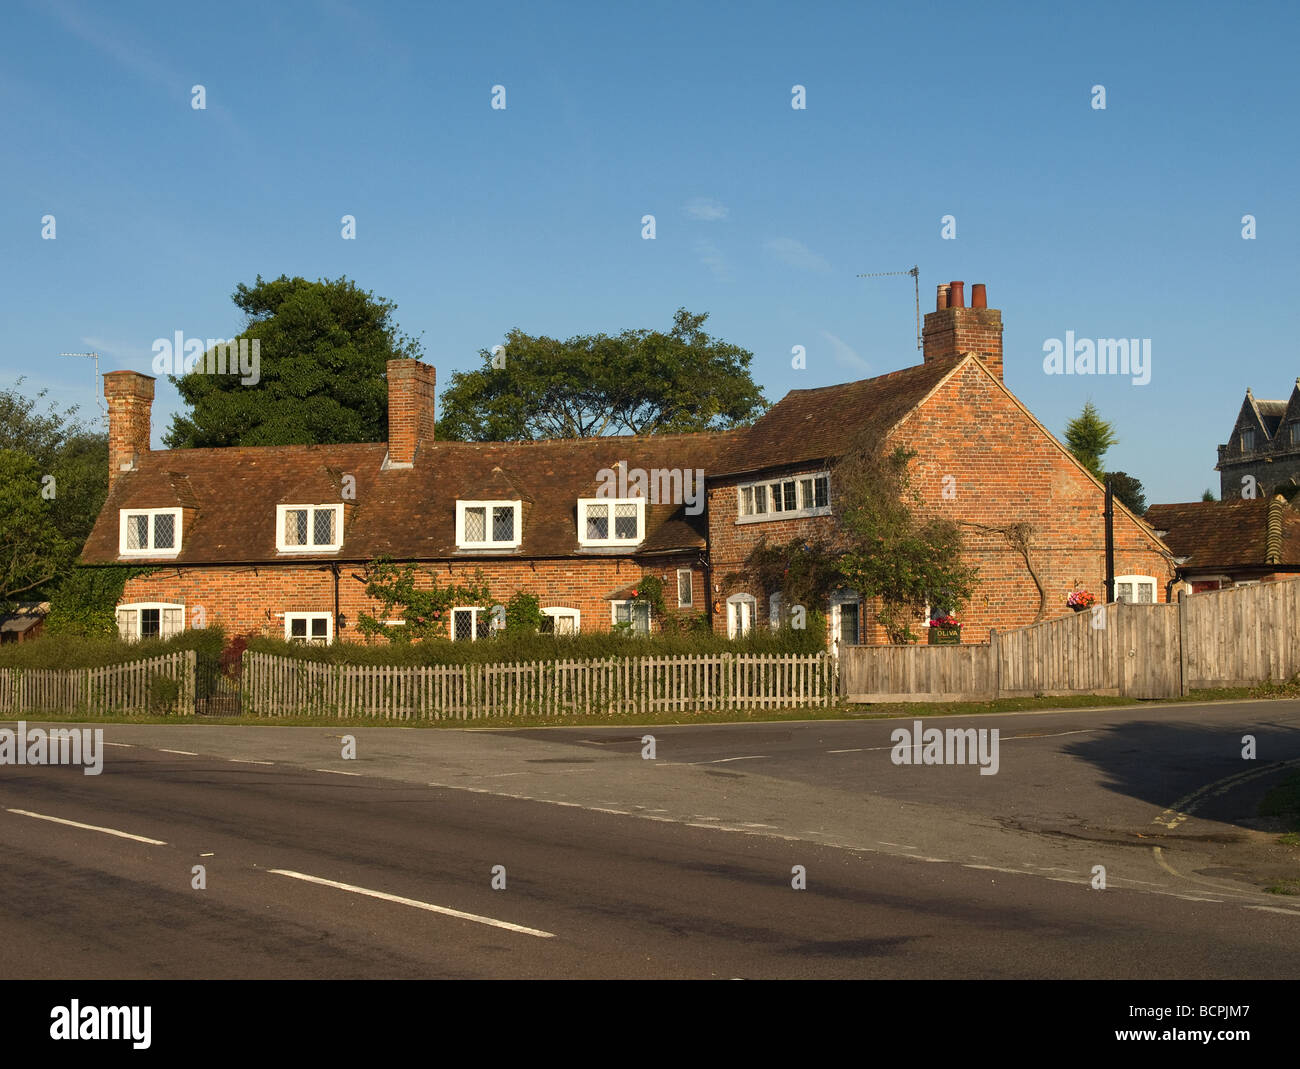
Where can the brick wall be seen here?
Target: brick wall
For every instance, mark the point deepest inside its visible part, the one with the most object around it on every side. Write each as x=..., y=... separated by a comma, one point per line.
x=245, y=600
x=130, y=398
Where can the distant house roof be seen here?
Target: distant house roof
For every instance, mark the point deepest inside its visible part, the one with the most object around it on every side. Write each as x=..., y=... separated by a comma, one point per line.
x=26, y=616
x=1230, y=534
x=406, y=513
x=824, y=424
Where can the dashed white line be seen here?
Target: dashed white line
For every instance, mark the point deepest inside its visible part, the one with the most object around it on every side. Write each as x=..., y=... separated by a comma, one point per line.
x=1275, y=909
x=414, y=903
x=247, y=761
x=858, y=750
x=123, y=745
x=724, y=760
x=336, y=772
x=183, y=753
x=87, y=827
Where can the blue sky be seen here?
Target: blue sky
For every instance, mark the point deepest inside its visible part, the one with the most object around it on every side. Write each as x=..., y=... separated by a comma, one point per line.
x=1122, y=222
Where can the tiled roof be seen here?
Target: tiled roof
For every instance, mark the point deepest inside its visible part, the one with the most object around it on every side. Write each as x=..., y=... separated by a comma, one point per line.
x=1226, y=534
x=406, y=513
x=809, y=426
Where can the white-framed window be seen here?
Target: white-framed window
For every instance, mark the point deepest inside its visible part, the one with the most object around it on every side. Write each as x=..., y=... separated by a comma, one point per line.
x=308, y=528
x=634, y=613
x=611, y=521
x=469, y=623
x=560, y=621
x=149, y=532
x=309, y=628
x=685, y=588
x=741, y=609
x=489, y=524
x=1248, y=439
x=793, y=496
x=1138, y=589
x=149, y=619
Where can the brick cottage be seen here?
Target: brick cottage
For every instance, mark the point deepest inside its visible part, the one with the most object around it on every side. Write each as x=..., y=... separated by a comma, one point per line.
x=270, y=540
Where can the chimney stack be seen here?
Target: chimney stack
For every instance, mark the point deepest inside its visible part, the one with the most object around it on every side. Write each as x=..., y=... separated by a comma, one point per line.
x=411, y=399
x=952, y=329
x=130, y=401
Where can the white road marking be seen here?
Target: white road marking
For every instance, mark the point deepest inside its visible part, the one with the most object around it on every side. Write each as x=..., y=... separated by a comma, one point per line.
x=88, y=827
x=859, y=750
x=336, y=772
x=1275, y=909
x=124, y=745
x=724, y=760
x=902, y=846
x=183, y=753
x=246, y=761
x=414, y=903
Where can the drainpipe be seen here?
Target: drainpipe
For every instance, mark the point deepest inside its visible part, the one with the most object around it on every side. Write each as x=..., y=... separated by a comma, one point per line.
x=1110, y=541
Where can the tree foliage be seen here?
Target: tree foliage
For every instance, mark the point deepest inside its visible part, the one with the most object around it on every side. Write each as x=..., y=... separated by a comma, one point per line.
x=323, y=351
x=636, y=382
x=1088, y=436
x=33, y=552
x=803, y=572
x=1128, y=490
x=895, y=551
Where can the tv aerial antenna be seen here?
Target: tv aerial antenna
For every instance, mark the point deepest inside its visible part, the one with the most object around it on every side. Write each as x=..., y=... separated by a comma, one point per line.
x=103, y=414
x=915, y=272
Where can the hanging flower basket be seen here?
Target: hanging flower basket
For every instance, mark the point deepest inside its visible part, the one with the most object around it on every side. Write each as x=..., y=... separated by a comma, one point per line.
x=1080, y=600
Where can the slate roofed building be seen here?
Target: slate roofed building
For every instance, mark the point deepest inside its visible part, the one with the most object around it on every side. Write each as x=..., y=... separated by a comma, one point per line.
x=1262, y=455
x=270, y=540
x=1230, y=543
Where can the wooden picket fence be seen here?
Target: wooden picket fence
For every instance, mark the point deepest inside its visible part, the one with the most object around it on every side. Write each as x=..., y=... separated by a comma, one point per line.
x=120, y=688
x=1223, y=638
x=284, y=686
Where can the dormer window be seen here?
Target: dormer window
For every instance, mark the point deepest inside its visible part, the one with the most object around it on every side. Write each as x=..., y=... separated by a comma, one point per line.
x=149, y=532
x=1295, y=433
x=308, y=528
x=489, y=524
x=1248, y=440
x=611, y=521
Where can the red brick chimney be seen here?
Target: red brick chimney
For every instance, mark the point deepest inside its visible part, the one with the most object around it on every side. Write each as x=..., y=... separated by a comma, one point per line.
x=411, y=399
x=130, y=399
x=952, y=329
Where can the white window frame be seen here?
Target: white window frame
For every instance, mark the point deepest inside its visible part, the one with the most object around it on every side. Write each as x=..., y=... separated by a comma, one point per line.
x=733, y=614
x=803, y=507
x=475, y=612
x=136, y=607
x=489, y=543
x=123, y=514
x=557, y=612
x=838, y=601
x=328, y=617
x=649, y=614
x=311, y=547
x=1135, y=580
x=689, y=603
x=585, y=502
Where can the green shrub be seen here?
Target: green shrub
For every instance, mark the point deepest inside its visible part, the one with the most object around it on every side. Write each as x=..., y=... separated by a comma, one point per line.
x=163, y=693
x=64, y=650
x=524, y=647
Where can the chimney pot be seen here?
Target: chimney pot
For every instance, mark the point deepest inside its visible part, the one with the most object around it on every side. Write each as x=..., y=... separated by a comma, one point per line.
x=941, y=298
x=978, y=296
x=956, y=294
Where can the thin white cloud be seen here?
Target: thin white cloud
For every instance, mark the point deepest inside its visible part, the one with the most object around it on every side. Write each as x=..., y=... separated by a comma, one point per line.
x=712, y=258
x=706, y=209
x=796, y=254
x=844, y=354
x=125, y=354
